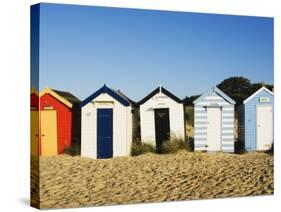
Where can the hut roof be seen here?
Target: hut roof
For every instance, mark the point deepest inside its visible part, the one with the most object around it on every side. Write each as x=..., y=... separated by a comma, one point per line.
x=68, y=96
x=258, y=91
x=63, y=96
x=117, y=95
x=158, y=90
x=217, y=91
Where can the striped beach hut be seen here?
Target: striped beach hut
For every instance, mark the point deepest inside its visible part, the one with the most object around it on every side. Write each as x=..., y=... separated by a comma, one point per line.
x=161, y=116
x=255, y=119
x=107, y=124
x=214, y=122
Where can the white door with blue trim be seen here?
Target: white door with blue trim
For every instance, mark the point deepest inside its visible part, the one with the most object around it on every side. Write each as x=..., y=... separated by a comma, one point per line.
x=264, y=127
x=214, y=129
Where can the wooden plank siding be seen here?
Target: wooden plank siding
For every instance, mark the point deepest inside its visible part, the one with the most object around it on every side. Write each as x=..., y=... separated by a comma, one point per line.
x=161, y=99
x=247, y=119
x=200, y=122
x=122, y=122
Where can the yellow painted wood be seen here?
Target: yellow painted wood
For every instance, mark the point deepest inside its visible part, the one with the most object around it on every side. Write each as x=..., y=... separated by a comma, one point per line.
x=49, y=144
x=34, y=132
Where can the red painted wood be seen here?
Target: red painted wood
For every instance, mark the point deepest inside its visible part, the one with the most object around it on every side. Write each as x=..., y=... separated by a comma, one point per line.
x=64, y=120
x=34, y=102
x=34, y=106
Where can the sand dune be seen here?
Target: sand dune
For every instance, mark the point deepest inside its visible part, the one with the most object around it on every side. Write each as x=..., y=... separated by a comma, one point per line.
x=67, y=181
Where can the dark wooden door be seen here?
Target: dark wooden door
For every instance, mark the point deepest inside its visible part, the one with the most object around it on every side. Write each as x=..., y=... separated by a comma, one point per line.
x=104, y=133
x=162, y=126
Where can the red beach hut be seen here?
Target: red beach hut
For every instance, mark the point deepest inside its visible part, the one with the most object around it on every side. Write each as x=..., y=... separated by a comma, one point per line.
x=59, y=121
x=34, y=121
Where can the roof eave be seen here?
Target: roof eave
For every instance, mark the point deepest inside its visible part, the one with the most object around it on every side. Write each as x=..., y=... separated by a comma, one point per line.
x=110, y=92
x=255, y=93
x=219, y=92
x=57, y=96
x=157, y=90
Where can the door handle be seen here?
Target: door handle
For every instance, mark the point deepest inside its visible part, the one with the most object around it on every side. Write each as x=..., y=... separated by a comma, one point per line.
x=43, y=135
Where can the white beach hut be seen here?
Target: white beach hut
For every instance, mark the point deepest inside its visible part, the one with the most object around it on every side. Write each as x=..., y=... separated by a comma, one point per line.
x=161, y=116
x=107, y=124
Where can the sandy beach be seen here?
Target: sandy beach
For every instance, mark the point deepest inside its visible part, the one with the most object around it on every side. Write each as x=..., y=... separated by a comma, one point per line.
x=67, y=181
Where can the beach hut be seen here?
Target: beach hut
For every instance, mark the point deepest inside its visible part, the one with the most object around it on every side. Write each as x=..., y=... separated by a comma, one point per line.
x=255, y=118
x=161, y=116
x=34, y=122
x=107, y=124
x=214, y=122
x=59, y=121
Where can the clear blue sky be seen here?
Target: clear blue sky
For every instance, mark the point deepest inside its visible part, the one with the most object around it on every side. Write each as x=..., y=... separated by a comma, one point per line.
x=83, y=47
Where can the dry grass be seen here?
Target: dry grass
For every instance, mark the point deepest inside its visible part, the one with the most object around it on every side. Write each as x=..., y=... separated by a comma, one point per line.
x=141, y=148
x=67, y=181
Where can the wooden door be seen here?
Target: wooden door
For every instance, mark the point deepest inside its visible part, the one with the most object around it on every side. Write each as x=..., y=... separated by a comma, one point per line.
x=162, y=126
x=264, y=127
x=105, y=133
x=49, y=144
x=214, y=129
x=34, y=133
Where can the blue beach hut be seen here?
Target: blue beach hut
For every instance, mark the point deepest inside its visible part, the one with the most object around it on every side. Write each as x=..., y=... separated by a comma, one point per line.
x=255, y=121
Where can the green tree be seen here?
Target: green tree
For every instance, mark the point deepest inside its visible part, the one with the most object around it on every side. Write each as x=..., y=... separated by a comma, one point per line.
x=236, y=87
x=188, y=100
x=257, y=86
x=240, y=88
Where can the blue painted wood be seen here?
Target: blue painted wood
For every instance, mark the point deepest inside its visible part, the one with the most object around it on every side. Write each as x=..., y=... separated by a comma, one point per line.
x=200, y=120
x=104, y=133
x=213, y=92
x=248, y=119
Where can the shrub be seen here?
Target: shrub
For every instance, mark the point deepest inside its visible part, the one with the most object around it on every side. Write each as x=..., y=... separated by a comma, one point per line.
x=168, y=147
x=175, y=144
x=139, y=148
x=171, y=146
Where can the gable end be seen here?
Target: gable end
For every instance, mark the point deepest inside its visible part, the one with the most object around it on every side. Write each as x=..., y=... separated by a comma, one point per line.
x=110, y=92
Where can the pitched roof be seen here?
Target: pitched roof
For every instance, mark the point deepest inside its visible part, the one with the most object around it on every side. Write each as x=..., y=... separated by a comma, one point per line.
x=68, y=96
x=117, y=95
x=216, y=90
x=263, y=88
x=158, y=90
x=33, y=90
x=63, y=96
x=126, y=97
